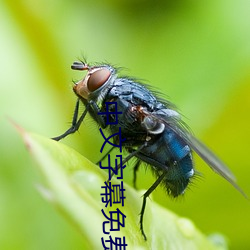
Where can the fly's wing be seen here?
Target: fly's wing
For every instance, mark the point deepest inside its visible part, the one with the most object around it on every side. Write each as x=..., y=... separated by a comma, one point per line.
x=175, y=124
x=212, y=160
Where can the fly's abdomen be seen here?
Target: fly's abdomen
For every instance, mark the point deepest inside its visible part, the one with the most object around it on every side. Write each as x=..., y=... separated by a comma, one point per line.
x=180, y=166
x=178, y=176
x=171, y=155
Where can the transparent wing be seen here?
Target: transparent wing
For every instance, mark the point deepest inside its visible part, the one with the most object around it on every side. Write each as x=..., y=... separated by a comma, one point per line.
x=175, y=124
x=208, y=156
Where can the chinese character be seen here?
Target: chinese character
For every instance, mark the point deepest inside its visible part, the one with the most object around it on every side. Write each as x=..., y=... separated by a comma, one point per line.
x=112, y=221
x=117, y=167
x=111, y=114
x=119, y=245
x=107, y=140
x=115, y=195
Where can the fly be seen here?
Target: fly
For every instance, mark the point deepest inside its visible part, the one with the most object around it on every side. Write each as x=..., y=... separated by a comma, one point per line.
x=154, y=131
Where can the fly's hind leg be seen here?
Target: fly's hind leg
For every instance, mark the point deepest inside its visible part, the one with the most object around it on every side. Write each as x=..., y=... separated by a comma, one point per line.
x=144, y=201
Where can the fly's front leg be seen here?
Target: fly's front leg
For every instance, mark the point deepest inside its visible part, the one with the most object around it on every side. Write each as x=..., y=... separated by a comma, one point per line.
x=75, y=123
x=100, y=119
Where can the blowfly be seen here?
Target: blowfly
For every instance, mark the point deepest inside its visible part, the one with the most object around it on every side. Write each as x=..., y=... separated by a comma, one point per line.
x=154, y=131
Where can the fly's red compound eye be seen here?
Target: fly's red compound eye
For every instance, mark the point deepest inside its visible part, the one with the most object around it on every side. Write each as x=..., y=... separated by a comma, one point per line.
x=97, y=79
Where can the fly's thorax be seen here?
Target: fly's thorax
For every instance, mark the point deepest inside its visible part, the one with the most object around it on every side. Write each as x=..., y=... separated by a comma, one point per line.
x=95, y=84
x=152, y=125
x=153, y=122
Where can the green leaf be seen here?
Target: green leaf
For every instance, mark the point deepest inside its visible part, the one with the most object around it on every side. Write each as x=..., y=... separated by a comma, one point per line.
x=73, y=185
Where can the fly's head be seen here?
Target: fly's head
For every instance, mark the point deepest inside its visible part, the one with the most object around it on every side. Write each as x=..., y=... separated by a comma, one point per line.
x=95, y=80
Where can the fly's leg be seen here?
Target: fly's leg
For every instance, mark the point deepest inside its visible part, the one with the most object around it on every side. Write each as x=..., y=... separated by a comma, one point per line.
x=75, y=124
x=104, y=157
x=100, y=119
x=136, y=167
x=132, y=154
x=145, y=196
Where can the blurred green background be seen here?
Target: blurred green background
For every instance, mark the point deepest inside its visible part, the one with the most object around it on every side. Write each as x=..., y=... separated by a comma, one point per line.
x=196, y=53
